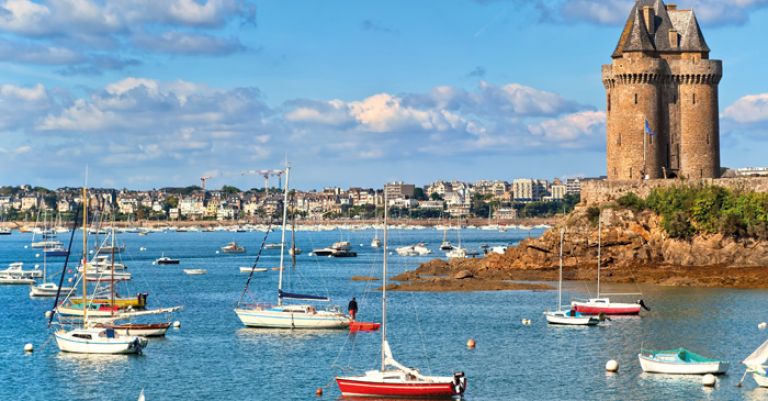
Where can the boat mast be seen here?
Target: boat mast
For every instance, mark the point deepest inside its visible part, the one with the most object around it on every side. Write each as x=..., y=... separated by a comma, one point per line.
x=599, y=237
x=85, y=255
x=560, y=285
x=282, y=240
x=384, y=289
x=112, y=281
x=45, y=260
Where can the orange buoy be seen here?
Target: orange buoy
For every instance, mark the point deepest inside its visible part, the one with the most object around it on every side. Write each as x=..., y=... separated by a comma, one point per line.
x=319, y=392
x=471, y=343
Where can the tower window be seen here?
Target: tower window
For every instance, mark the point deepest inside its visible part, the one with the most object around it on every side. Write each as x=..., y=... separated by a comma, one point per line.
x=609, y=102
x=630, y=173
x=636, y=99
x=694, y=98
x=618, y=140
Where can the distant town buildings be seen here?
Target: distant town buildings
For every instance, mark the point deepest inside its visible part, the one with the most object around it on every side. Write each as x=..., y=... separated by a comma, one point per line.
x=455, y=199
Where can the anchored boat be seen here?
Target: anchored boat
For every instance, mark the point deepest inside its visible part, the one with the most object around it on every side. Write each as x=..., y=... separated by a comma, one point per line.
x=680, y=361
x=394, y=379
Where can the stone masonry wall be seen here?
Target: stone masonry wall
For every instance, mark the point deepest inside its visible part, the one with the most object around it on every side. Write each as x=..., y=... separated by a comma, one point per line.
x=594, y=193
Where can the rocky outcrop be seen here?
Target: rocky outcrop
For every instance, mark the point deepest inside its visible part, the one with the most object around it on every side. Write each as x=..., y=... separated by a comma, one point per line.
x=628, y=239
x=634, y=249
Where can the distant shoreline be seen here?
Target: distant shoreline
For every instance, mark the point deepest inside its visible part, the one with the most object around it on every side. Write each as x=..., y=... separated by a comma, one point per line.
x=478, y=222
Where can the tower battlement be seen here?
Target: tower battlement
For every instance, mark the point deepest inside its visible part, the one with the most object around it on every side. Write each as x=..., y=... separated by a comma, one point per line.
x=661, y=75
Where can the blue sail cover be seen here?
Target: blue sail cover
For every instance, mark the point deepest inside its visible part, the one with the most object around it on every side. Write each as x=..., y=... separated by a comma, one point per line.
x=288, y=295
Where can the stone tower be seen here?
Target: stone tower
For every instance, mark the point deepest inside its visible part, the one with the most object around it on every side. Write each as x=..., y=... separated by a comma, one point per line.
x=661, y=72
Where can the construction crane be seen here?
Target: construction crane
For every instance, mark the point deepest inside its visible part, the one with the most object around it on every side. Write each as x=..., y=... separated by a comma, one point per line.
x=203, y=179
x=266, y=174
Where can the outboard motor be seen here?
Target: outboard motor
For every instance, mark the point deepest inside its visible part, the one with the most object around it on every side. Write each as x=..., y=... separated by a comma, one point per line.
x=642, y=305
x=459, y=383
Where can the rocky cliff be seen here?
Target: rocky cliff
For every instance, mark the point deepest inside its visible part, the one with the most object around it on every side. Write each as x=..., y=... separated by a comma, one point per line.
x=634, y=248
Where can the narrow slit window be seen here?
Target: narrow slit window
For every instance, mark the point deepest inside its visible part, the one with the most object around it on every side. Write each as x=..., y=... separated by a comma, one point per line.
x=694, y=98
x=636, y=99
x=609, y=102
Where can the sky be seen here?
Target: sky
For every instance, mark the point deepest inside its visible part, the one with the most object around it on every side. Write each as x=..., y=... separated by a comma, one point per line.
x=148, y=94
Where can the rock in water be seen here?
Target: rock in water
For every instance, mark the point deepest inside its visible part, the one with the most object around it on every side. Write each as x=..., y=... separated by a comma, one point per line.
x=462, y=274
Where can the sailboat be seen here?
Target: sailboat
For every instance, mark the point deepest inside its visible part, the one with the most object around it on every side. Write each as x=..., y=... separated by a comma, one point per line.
x=89, y=339
x=46, y=288
x=456, y=252
x=445, y=245
x=756, y=364
x=598, y=305
x=569, y=317
x=394, y=379
x=291, y=316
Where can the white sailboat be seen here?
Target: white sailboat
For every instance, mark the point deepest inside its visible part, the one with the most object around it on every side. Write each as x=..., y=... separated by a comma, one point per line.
x=394, y=379
x=46, y=288
x=295, y=316
x=89, y=339
x=569, y=317
x=756, y=364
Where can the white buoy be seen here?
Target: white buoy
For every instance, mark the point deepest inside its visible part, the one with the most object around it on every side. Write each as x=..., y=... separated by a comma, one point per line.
x=176, y=324
x=762, y=325
x=526, y=322
x=91, y=251
x=26, y=246
x=69, y=280
x=471, y=343
x=217, y=252
x=48, y=314
x=709, y=380
x=612, y=366
x=28, y=347
x=37, y=266
x=37, y=255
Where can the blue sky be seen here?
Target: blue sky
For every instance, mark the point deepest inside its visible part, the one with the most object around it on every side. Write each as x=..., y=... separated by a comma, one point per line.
x=157, y=93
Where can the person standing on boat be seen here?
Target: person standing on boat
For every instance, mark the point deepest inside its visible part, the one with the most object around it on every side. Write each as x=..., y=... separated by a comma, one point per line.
x=352, y=308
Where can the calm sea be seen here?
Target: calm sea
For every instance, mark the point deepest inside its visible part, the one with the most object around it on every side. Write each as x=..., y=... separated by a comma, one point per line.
x=213, y=357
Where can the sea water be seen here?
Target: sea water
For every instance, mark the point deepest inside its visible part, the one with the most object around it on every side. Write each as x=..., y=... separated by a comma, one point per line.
x=212, y=356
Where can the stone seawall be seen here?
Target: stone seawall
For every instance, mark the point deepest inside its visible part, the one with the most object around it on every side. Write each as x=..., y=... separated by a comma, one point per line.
x=598, y=192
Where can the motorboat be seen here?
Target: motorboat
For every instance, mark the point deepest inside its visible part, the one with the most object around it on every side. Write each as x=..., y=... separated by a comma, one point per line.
x=165, y=260
x=16, y=270
x=233, y=248
x=680, y=361
x=446, y=245
x=341, y=249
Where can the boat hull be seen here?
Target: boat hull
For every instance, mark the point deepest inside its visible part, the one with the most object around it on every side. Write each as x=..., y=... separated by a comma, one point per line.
x=16, y=281
x=364, y=326
x=111, y=346
x=368, y=388
x=760, y=379
x=679, y=368
x=140, y=329
x=39, y=291
x=589, y=308
x=292, y=320
x=571, y=320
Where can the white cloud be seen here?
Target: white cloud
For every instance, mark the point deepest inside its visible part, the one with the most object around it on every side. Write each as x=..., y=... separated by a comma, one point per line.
x=580, y=129
x=748, y=109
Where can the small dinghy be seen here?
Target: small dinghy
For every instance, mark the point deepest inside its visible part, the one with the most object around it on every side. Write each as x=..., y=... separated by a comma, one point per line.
x=248, y=269
x=363, y=326
x=195, y=272
x=680, y=361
